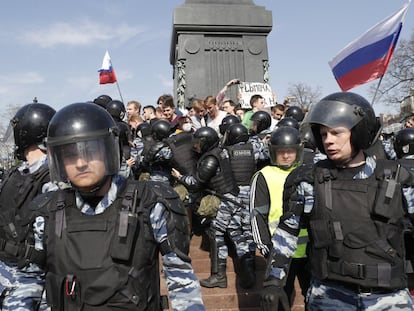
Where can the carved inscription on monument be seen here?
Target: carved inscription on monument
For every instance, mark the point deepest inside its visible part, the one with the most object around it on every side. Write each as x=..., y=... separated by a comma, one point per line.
x=223, y=44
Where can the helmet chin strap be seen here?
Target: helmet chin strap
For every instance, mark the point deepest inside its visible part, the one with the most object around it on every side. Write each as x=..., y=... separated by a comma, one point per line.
x=95, y=190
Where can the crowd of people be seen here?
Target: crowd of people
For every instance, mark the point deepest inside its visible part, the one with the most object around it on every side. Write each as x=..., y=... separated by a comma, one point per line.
x=101, y=189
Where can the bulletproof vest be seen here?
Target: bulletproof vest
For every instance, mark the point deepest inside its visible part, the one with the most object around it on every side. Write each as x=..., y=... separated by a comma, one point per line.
x=125, y=136
x=184, y=158
x=222, y=182
x=96, y=262
x=242, y=162
x=16, y=193
x=356, y=226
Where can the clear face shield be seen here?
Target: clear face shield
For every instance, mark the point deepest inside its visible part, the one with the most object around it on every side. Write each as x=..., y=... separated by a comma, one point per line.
x=334, y=114
x=104, y=149
x=286, y=156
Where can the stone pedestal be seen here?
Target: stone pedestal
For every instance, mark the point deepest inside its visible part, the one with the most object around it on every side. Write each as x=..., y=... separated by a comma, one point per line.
x=215, y=41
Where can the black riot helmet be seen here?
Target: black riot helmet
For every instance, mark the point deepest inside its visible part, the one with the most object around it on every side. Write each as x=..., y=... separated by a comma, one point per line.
x=295, y=112
x=345, y=109
x=30, y=127
x=116, y=109
x=82, y=131
x=404, y=142
x=236, y=133
x=227, y=121
x=262, y=120
x=102, y=100
x=288, y=121
x=160, y=129
x=285, y=137
x=144, y=129
x=306, y=137
x=207, y=138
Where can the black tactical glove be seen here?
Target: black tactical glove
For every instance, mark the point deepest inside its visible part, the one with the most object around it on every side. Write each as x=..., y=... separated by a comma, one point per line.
x=272, y=297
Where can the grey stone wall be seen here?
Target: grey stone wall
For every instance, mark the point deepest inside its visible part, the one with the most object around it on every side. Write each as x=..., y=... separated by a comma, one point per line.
x=216, y=41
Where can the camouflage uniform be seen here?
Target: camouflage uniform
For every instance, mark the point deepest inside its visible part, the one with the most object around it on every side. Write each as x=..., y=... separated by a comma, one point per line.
x=223, y=221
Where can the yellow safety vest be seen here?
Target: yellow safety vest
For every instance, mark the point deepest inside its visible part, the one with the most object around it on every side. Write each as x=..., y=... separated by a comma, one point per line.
x=275, y=178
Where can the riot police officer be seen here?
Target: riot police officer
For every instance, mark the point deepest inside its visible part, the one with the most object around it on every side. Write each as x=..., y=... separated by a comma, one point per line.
x=243, y=159
x=404, y=150
x=259, y=135
x=214, y=175
x=266, y=202
x=226, y=122
x=404, y=143
x=21, y=258
x=157, y=154
x=295, y=112
x=289, y=121
x=353, y=206
x=117, y=110
x=102, y=100
x=260, y=123
x=104, y=232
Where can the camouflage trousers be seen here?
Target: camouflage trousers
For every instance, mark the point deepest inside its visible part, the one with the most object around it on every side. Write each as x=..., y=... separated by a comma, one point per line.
x=20, y=290
x=221, y=225
x=240, y=227
x=332, y=296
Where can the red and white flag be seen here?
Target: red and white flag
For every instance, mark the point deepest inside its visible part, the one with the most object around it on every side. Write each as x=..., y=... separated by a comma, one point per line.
x=107, y=73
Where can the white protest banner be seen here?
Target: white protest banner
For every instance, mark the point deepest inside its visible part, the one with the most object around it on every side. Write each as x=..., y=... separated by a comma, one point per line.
x=248, y=89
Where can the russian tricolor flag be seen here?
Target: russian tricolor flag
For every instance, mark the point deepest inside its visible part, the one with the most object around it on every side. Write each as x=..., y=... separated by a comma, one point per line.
x=107, y=73
x=367, y=57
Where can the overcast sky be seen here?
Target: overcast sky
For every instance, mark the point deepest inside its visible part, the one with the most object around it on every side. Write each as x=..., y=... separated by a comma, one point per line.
x=52, y=49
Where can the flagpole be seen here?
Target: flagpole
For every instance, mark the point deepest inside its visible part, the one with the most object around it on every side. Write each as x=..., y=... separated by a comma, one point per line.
x=119, y=91
x=376, y=91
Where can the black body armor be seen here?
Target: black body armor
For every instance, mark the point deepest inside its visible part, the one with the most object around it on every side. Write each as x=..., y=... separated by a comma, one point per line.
x=16, y=236
x=222, y=180
x=110, y=260
x=242, y=162
x=357, y=226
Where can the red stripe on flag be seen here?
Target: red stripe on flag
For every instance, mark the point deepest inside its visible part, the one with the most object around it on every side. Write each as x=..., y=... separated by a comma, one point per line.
x=107, y=77
x=363, y=74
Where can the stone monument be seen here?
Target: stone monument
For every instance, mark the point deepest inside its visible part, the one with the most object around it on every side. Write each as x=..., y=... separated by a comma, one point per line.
x=214, y=41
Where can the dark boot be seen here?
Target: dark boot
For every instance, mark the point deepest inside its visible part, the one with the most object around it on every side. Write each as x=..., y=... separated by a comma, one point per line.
x=205, y=242
x=217, y=278
x=247, y=270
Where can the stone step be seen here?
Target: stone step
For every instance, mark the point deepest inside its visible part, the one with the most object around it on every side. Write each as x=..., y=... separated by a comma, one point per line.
x=233, y=297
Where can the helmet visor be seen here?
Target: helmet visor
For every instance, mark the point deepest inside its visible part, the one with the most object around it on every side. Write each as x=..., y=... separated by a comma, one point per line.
x=289, y=155
x=83, y=153
x=334, y=114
